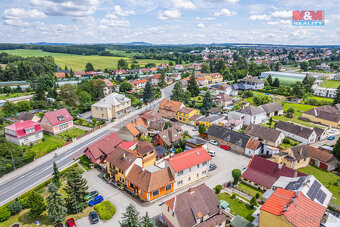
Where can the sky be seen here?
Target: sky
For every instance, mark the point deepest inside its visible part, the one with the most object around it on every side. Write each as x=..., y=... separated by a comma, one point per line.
x=166, y=21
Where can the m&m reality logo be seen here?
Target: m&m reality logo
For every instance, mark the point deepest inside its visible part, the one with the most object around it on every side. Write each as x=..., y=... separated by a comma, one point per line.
x=308, y=18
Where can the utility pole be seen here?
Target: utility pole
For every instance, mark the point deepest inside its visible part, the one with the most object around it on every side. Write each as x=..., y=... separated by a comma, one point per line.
x=12, y=159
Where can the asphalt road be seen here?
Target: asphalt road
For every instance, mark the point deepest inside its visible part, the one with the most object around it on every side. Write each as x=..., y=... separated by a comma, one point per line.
x=20, y=181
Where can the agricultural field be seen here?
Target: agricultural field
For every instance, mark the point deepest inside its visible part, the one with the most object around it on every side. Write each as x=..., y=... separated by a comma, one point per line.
x=78, y=62
x=331, y=84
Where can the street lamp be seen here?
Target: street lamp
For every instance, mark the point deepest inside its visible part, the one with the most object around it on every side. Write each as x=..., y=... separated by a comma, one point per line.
x=12, y=159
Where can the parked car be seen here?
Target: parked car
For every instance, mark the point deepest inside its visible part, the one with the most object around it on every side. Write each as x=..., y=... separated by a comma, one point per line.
x=213, y=142
x=332, y=131
x=195, y=128
x=225, y=147
x=212, y=167
x=94, y=217
x=331, y=138
x=212, y=153
x=96, y=200
x=91, y=195
x=70, y=223
x=56, y=225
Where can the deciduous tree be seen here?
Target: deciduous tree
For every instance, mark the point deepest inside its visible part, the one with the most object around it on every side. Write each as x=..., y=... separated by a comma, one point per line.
x=236, y=173
x=36, y=203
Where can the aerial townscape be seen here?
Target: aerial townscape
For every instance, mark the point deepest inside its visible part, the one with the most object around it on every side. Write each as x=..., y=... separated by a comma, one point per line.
x=98, y=129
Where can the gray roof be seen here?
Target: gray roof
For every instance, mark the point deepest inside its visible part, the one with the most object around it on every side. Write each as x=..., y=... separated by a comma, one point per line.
x=161, y=150
x=318, y=131
x=252, y=110
x=228, y=135
x=272, y=107
x=240, y=221
x=113, y=99
x=141, y=128
x=25, y=116
x=295, y=129
x=300, y=152
x=196, y=141
x=240, y=86
x=252, y=79
x=261, y=132
x=211, y=118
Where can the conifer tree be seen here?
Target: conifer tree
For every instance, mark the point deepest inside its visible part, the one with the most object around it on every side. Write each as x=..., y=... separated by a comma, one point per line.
x=147, y=221
x=55, y=205
x=36, y=203
x=207, y=101
x=76, y=191
x=130, y=217
x=178, y=93
x=56, y=176
x=148, y=94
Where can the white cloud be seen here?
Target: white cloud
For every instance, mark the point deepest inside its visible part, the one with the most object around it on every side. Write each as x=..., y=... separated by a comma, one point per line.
x=285, y=14
x=120, y=12
x=20, y=13
x=200, y=25
x=169, y=14
x=259, y=17
x=279, y=22
x=226, y=1
x=183, y=4
x=19, y=23
x=75, y=8
x=225, y=12
x=205, y=18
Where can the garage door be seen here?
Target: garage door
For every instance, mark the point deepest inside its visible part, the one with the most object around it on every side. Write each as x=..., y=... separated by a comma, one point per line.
x=323, y=166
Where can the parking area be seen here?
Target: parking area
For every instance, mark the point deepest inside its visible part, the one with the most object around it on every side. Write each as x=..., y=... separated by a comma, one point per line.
x=189, y=128
x=226, y=161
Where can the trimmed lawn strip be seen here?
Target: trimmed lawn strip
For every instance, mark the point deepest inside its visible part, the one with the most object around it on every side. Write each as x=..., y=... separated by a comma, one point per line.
x=331, y=84
x=327, y=179
x=13, y=95
x=296, y=121
x=73, y=133
x=237, y=208
x=249, y=190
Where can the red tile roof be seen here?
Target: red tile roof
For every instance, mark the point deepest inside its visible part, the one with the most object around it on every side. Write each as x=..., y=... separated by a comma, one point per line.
x=298, y=209
x=139, y=81
x=157, y=76
x=60, y=75
x=188, y=159
x=20, y=127
x=266, y=172
x=58, y=117
x=104, y=146
x=127, y=144
x=108, y=82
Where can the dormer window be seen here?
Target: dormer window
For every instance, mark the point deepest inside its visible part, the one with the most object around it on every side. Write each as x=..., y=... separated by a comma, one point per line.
x=29, y=130
x=61, y=118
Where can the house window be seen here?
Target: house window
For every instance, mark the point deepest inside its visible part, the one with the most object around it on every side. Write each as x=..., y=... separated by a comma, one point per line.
x=198, y=166
x=96, y=108
x=180, y=182
x=205, y=163
x=189, y=178
x=168, y=209
x=141, y=191
x=189, y=169
x=168, y=187
x=155, y=193
x=198, y=175
x=204, y=172
x=180, y=173
x=131, y=185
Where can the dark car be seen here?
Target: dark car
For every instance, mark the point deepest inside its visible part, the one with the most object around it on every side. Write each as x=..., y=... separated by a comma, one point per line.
x=331, y=138
x=91, y=195
x=59, y=225
x=225, y=147
x=70, y=223
x=212, y=167
x=94, y=217
x=173, y=120
x=96, y=200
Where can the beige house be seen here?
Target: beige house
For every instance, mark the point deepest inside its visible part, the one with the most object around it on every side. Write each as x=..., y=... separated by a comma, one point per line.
x=111, y=107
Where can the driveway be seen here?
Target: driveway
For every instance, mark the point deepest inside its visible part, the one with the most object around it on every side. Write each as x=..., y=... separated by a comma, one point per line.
x=226, y=161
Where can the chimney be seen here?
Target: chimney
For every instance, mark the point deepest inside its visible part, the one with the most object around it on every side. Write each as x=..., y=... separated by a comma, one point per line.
x=191, y=190
x=315, y=112
x=124, y=155
x=295, y=173
x=143, y=169
x=280, y=166
x=285, y=208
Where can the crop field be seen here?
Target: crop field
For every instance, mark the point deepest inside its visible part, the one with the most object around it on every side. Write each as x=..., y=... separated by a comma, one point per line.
x=78, y=62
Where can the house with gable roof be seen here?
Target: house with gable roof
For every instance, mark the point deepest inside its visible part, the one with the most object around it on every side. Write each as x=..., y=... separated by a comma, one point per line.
x=133, y=130
x=197, y=206
x=169, y=108
x=56, y=122
x=297, y=132
x=249, y=115
x=24, y=132
x=169, y=136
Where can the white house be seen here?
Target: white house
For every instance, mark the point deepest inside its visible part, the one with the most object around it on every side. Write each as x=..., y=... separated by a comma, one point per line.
x=325, y=92
x=296, y=132
x=254, y=82
x=24, y=133
x=249, y=115
x=189, y=166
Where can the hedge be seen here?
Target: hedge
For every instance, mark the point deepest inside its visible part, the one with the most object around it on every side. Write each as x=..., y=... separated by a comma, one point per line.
x=5, y=213
x=105, y=210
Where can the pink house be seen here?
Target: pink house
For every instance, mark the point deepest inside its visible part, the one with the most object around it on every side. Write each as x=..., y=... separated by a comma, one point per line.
x=24, y=132
x=98, y=151
x=56, y=122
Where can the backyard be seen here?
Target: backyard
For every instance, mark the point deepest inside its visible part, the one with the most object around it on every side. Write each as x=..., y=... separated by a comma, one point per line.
x=249, y=190
x=13, y=95
x=236, y=207
x=329, y=180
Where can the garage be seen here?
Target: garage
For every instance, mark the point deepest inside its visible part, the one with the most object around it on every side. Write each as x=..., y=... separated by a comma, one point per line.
x=323, y=166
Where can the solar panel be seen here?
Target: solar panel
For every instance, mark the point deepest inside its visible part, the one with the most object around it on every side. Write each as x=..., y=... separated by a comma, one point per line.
x=295, y=185
x=314, y=189
x=321, y=196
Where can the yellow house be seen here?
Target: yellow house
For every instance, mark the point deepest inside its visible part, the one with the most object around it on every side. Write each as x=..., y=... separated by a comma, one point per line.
x=295, y=157
x=216, y=77
x=326, y=115
x=210, y=120
x=148, y=155
x=286, y=208
x=185, y=113
x=120, y=162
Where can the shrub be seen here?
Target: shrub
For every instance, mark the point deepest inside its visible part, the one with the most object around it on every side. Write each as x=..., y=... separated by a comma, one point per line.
x=236, y=173
x=286, y=141
x=24, y=201
x=257, y=195
x=218, y=188
x=15, y=207
x=233, y=196
x=4, y=214
x=105, y=210
x=85, y=161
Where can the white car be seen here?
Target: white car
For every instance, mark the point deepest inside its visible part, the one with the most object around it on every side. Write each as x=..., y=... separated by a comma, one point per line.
x=212, y=153
x=213, y=142
x=195, y=128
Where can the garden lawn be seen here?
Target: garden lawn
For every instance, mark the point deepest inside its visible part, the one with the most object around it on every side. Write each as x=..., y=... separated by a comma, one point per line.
x=237, y=208
x=296, y=121
x=73, y=133
x=327, y=179
x=297, y=107
x=290, y=144
x=331, y=84
x=51, y=143
x=320, y=98
x=249, y=190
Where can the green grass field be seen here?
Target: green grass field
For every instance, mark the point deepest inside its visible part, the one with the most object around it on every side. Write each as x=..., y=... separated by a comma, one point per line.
x=249, y=190
x=331, y=84
x=297, y=107
x=237, y=208
x=51, y=143
x=320, y=98
x=327, y=179
x=13, y=95
x=287, y=81
x=78, y=62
